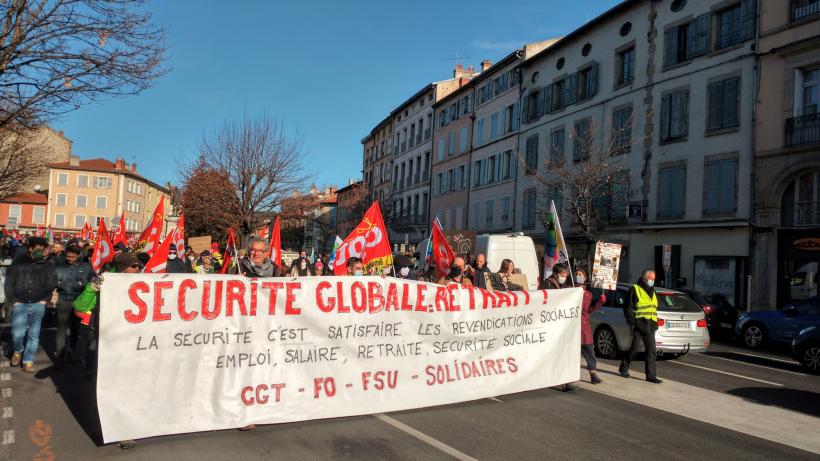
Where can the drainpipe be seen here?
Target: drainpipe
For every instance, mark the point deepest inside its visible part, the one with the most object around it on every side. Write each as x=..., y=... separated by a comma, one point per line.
x=753, y=136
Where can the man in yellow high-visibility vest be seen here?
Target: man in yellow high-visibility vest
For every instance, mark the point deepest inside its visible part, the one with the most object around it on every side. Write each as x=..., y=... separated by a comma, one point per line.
x=641, y=312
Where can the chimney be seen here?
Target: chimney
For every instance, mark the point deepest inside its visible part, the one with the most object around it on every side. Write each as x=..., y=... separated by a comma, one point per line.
x=350, y=180
x=73, y=160
x=485, y=64
x=458, y=72
x=134, y=167
x=119, y=163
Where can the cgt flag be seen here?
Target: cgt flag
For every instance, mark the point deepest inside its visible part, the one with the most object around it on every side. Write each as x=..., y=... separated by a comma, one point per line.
x=179, y=235
x=159, y=260
x=119, y=233
x=443, y=255
x=368, y=241
x=103, y=249
x=149, y=239
x=276, y=244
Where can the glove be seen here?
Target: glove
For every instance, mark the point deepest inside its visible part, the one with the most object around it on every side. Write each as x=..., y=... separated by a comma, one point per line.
x=603, y=298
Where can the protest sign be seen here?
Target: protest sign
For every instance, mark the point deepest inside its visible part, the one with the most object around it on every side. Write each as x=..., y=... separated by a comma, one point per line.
x=187, y=352
x=605, y=265
x=200, y=244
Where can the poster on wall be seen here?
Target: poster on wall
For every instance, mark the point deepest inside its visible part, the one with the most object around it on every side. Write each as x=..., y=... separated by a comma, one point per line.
x=716, y=276
x=605, y=265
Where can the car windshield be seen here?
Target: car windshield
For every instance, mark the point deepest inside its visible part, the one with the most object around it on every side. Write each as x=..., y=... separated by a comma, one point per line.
x=677, y=302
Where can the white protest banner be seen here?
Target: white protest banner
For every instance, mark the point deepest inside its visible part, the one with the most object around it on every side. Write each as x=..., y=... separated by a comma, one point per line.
x=184, y=352
x=605, y=265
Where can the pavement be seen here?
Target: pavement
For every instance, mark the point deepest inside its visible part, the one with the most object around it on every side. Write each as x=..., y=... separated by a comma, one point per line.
x=728, y=403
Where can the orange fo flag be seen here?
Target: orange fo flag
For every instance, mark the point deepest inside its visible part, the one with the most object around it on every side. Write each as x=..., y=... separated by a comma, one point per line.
x=103, y=249
x=149, y=239
x=368, y=241
x=443, y=255
x=276, y=244
x=119, y=232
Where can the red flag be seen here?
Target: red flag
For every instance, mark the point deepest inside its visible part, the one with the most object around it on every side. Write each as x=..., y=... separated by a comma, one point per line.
x=276, y=244
x=103, y=250
x=263, y=232
x=86, y=233
x=39, y=230
x=443, y=255
x=119, y=232
x=149, y=239
x=158, y=261
x=230, y=251
x=179, y=236
x=368, y=241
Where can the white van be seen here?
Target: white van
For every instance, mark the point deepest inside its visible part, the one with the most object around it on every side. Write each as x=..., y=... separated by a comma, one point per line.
x=516, y=247
x=804, y=282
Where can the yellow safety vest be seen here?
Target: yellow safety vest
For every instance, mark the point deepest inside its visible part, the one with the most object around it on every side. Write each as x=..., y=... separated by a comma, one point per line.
x=647, y=307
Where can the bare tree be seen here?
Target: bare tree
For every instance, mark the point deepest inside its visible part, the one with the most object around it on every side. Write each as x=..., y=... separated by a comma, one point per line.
x=23, y=157
x=56, y=55
x=264, y=164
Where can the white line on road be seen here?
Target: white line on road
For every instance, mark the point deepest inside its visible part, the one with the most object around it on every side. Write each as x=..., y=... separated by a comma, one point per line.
x=730, y=374
x=750, y=364
x=494, y=399
x=8, y=437
x=425, y=438
x=790, y=362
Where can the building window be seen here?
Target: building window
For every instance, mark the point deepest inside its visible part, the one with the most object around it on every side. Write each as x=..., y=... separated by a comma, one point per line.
x=479, y=132
x=474, y=216
x=528, y=209
x=102, y=182
x=466, y=104
x=626, y=66
x=59, y=220
x=79, y=221
x=675, y=116
x=62, y=199
x=557, y=146
x=685, y=41
x=62, y=179
x=489, y=209
x=804, y=8
x=554, y=195
x=720, y=186
x=735, y=24
x=464, y=138
x=587, y=82
x=102, y=202
x=505, y=211
x=507, y=165
x=534, y=105
x=491, y=169
x=801, y=201
x=14, y=215
x=810, y=101
x=483, y=172
x=556, y=100
x=724, y=99
x=82, y=180
x=621, y=130
x=532, y=155
x=671, y=191
x=81, y=201
x=462, y=175
x=620, y=197
x=493, y=125
x=39, y=216
x=442, y=147
x=451, y=144
x=477, y=173
x=583, y=136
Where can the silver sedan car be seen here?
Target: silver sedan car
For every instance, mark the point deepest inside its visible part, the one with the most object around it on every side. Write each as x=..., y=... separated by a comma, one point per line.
x=681, y=324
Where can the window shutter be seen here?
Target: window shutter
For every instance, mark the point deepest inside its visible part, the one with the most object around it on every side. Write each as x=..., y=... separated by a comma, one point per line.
x=515, y=115
x=592, y=85
x=525, y=105
x=713, y=187
x=702, y=32
x=548, y=98
x=676, y=191
x=715, y=105
x=728, y=179
x=748, y=17
x=684, y=119
x=731, y=100
x=570, y=87
x=497, y=168
x=503, y=127
x=670, y=42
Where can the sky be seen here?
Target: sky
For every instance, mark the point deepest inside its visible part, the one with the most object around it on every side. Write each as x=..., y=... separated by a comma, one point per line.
x=330, y=70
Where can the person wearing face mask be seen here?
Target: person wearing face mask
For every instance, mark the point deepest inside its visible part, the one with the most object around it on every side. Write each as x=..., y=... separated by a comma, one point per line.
x=354, y=267
x=72, y=276
x=587, y=308
x=175, y=265
x=558, y=279
x=641, y=312
x=30, y=282
x=301, y=268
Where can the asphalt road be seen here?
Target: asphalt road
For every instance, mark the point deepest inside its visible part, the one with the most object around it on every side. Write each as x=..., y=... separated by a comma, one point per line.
x=729, y=403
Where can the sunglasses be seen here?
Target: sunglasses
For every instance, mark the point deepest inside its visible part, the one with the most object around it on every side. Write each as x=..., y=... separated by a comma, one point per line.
x=135, y=266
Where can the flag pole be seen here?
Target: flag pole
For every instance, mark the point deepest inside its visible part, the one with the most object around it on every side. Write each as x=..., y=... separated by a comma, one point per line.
x=560, y=237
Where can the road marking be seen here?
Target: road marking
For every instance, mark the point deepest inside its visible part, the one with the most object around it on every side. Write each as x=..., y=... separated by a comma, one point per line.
x=8, y=437
x=8, y=412
x=730, y=374
x=6, y=393
x=770, y=422
x=425, y=438
x=494, y=399
x=750, y=364
x=790, y=362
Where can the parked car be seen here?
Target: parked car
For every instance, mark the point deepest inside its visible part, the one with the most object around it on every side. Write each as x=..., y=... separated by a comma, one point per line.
x=806, y=348
x=681, y=324
x=721, y=316
x=758, y=328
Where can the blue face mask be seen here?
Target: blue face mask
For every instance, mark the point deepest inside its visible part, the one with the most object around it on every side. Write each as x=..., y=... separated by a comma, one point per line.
x=650, y=283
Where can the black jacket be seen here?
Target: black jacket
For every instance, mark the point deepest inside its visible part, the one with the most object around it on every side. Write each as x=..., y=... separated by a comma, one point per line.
x=176, y=266
x=629, y=309
x=478, y=277
x=30, y=282
x=71, y=278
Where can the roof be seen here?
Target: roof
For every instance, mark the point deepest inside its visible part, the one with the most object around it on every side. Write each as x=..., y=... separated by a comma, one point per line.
x=101, y=165
x=412, y=99
x=27, y=197
x=585, y=27
x=480, y=77
x=350, y=187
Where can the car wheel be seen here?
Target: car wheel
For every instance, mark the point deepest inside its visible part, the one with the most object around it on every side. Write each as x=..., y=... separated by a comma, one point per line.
x=811, y=358
x=753, y=335
x=606, y=344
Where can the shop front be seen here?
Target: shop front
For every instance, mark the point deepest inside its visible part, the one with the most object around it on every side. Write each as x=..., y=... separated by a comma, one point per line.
x=798, y=263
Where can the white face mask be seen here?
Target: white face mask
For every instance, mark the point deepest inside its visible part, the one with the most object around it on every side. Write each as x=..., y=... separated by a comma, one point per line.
x=650, y=283
x=172, y=256
x=358, y=273
x=404, y=271
x=562, y=279
x=580, y=279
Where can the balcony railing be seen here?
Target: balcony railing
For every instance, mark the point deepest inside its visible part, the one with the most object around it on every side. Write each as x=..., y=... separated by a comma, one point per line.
x=418, y=138
x=427, y=133
x=409, y=220
x=808, y=213
x=401, y=184
x=425, y=176
x=804, y=8
x=803, y=130
x=416, y=178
